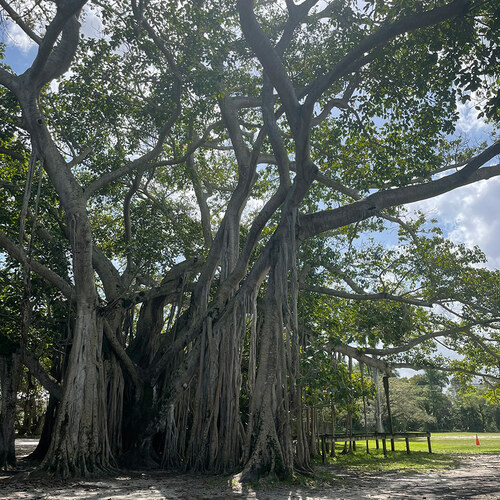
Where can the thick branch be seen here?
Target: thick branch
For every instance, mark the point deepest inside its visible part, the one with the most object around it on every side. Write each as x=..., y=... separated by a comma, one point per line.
x=47, y=381
x=418, y=340
x=51, y=61
x=356, y=57
x=230, y=117
x=449, y=369
x=319, y=222
x=360, y=356
x=50, y=276
x=13, y=154
x=9, y=80
x=269, y=59
x=274, y=134
x=18, y=20
x=124, y=358
x=364, y=296
x=201, y=198
x=388, y=367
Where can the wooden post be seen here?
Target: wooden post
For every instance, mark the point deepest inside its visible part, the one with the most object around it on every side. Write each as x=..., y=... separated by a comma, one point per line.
x=351, y=402
x=407, y=445
x=389, y=414
x=332, y=452
x=334, y=366
x=361, y=368
x=429, y=442
x=384, y=447
x=323, y=450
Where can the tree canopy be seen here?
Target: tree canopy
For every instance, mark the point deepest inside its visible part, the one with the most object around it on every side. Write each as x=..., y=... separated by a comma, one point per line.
x=191, y=209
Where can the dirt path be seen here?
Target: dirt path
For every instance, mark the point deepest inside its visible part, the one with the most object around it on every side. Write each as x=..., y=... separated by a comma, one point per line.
x=477, y=477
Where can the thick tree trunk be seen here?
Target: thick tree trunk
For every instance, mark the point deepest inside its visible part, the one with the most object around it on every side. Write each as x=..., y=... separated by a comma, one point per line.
x=80, y=444
x=9, y=377
x=216, y=441
x=269, y=438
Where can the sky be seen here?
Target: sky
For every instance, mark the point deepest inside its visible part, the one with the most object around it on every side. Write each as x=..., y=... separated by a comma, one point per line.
x=470, y=215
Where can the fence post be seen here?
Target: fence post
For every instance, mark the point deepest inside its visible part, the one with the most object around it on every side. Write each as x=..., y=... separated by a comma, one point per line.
x=389, y=414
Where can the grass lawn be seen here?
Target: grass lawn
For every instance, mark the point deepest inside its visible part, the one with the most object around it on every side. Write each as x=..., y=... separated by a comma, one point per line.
x=458, y=442
x=446, y=450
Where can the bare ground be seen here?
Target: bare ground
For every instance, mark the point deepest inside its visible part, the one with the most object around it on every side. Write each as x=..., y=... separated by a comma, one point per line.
x=476, y=477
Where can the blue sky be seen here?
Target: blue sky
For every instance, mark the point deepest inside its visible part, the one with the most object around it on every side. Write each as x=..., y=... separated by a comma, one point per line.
x=17, y=58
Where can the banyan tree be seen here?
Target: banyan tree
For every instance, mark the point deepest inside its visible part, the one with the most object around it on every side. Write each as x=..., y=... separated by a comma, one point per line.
x=188, y=193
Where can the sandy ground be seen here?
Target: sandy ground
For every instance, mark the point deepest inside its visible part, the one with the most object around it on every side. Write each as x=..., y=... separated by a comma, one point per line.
x=477, y=478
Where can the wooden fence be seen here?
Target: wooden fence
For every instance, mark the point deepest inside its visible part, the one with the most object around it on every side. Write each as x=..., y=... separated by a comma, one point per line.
x=383, y=436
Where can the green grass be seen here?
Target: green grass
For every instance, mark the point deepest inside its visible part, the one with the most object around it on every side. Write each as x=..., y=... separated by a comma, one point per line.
x=458, y=442
x=447, y=449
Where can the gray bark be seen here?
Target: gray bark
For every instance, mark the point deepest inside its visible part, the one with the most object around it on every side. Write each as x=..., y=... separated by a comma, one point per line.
x=9, y=378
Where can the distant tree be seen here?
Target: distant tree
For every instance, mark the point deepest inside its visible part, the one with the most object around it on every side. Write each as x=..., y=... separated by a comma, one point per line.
x=408, y=406
x=475, y=412
x=437, y=402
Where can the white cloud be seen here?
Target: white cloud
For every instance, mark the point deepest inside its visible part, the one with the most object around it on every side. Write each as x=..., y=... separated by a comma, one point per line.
x=92, y=26
x=468, y=120
x=470, y=215
x=17, y=37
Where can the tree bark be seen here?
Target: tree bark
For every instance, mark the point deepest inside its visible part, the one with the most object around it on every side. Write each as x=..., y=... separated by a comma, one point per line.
x=80, y=444
x=269, y=436
x=9, y=378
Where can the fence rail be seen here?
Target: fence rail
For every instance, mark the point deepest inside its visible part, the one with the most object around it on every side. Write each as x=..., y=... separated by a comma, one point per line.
x=366, y=436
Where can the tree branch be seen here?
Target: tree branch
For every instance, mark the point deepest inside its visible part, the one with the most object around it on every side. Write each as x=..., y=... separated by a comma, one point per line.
x=364, y=296
x=50, y=276
x=47, y=381
x=310, y=225
x=51, y=61
x=270, y=60
x=18, y=20
x=449, y=369
x=9, y=80
x=125, y=359
x=360, y=356
x=418, y=340
x=13, y=154
x=357, y=56
x=147, y=161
